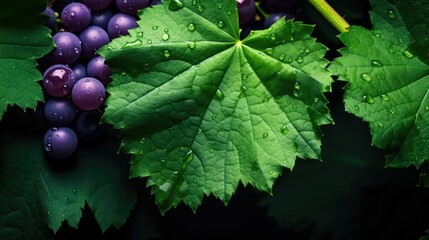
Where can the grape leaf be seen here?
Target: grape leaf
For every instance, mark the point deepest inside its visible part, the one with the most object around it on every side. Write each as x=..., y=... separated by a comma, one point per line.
x=388, y=74
x=23, y=38
x=201, y=110
x=35, y=193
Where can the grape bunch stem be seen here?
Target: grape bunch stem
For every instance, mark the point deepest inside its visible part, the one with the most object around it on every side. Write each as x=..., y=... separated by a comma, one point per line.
x=331, y=15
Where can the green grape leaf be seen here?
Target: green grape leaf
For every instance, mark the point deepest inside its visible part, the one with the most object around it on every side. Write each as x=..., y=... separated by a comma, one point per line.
x=388, y=79
x=201, y=110
x=37, y=192
x=23, y=39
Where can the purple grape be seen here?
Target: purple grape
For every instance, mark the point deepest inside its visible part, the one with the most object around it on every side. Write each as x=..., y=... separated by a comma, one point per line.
x=276, y=16
x=131, y=6
x=97, y=69
x=76, y=17
x=246, y=10
x=88, y=93
x=101, y=19
x=60, y=143
x=87, y=125
x=92, y=39
x=68, y=48
x=58, y=80
x=52, y=18
x=97, y=4
x=59, y=5
x=120, y=23
x=59, y=111
x=281, y=5
x=155, y=2
x=79, y=71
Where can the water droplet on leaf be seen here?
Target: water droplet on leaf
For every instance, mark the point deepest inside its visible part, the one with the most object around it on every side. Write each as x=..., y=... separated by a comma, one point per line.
x=165, y=36
x=391, y=14
x=385, y=97
x=284, y=130
x=219, y=95
x=269, y=50
x=366, y=77
x=273, y=36
x=407, y=54
x=191, y=27
x=368, y=98
x=220, y=24
x=175, y=5
x=265, y=135
x=192, y=45
x=376, y=63
x=167, y=53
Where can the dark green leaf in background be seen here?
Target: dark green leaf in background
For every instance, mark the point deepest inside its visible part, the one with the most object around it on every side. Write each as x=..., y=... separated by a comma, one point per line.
x=388, y=74
x=201, y=110
x=23, y=38
x=35, y=195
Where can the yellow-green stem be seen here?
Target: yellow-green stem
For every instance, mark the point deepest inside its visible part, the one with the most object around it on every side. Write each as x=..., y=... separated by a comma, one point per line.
x=331, y=15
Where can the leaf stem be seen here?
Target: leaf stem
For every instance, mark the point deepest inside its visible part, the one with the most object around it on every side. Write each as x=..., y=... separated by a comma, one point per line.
x=331, y=15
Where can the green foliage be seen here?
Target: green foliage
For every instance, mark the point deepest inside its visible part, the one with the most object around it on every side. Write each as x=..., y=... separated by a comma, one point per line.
x=388, y=74
x=35, y=195
x=200, y=110
x=22, y=40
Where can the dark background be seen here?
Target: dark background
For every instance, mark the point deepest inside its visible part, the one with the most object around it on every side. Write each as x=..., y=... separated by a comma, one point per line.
x=350, y=195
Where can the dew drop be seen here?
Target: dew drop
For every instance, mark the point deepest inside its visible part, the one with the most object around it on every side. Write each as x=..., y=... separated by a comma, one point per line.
x=191, y=27
x=265, y=135
x=282, y=57
x=175, y=5
x=132, y=44
x=297, y=86
x=200, y=9
x=154, y=27
x=376, y=63
x=149, y=41
x=48, y=147
x=392, y=111
x=357, y=108
x=74, y=190
x=165, y=36
x=391, y=14
x=123, y=73
x=273, y=36
x=427, y=108
x=284, y=130
x=220, y=24
x=380, y=124
x=407, y=54
x=60, y=53
x=140, y=34
x=299, y=59
x=243, y=88
x=76, y=50
x=368, y=98
x=244, y=76
x=194, y=2
x=66, y=198
x=385, y=97
x=366, y=77
x=219, y=95
x=269, y=51
x=214, y=116
x=296, y=93
x=167, y=53
x=189, y=156
x=192, y=45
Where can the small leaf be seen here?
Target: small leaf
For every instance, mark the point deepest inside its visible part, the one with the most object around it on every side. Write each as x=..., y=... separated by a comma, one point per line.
x=23, y=38
x=393, y=94
x=204, y=117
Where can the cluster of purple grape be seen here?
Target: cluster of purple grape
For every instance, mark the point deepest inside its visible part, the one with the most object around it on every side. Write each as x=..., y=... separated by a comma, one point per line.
x=261, y=14
x=74, y=76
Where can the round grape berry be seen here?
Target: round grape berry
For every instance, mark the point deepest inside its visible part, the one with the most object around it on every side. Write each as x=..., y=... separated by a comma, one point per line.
x=76, y=17
x=101, y=18
x=246, y=10
x=88, y=93
x=68, y=48
x=131, y=6
x=119, y=25
x=58, y=80
x=79, y=71
x=97, y=4
x=97, y=69
x=52, y=18
x=61, y=142
x=59, y=111
x=92, y=39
